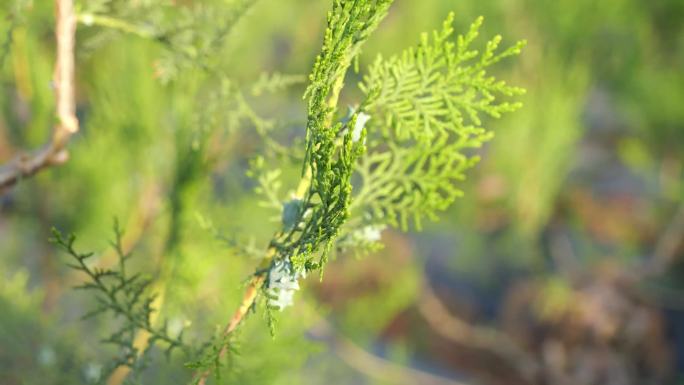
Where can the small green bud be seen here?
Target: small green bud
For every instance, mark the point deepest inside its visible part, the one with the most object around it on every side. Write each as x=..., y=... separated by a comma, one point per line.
x=291, y=212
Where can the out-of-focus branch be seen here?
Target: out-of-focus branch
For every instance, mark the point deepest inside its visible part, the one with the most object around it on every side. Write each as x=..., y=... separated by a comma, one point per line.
x=248, y=299
x=373, y=366
x=487, y=339
x=89, y=19
x=54, y=152
x=666, y=248
x=561, y=251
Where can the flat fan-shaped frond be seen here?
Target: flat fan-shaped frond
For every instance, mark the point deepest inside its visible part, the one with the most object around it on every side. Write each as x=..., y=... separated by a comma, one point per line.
x=427, y=106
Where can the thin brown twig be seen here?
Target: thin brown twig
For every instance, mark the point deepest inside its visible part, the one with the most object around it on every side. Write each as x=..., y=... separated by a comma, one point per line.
x=54, y=152
x=252, y=291
x=666, y=247
x=248, y=299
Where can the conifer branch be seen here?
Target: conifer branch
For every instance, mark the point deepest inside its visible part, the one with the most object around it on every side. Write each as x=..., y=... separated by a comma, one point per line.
x=125, y=296
x=90, y=19
x=54, y=152
x=409, y=175
x=187, y=44
x=424, y=108
x=324, y=205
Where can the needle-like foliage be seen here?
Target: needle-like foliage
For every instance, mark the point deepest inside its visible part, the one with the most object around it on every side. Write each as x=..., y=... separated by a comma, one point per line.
x=331, y=153
x=129, y=299
x=192, y=33
x=126, y=297
x=407, y=144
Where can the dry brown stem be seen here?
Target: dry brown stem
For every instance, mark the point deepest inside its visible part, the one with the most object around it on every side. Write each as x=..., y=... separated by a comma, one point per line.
x=54, y=151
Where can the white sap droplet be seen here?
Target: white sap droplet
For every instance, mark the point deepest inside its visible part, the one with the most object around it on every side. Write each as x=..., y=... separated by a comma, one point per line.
x=361, y=121
x=282, y=284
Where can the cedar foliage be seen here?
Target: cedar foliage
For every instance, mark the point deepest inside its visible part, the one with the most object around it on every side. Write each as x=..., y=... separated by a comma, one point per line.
x=407, y=143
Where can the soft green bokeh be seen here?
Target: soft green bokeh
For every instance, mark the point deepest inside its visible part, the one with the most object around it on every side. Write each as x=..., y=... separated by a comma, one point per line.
x=605, y=72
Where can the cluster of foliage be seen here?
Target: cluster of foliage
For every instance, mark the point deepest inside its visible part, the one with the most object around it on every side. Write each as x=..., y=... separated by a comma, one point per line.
x=183, y=97
x=408, y=141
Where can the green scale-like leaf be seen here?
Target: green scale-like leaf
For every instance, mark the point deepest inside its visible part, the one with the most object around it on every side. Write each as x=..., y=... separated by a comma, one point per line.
x=426, y=106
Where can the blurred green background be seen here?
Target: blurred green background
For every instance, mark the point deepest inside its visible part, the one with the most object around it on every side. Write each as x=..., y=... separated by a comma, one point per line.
x=561, y=265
